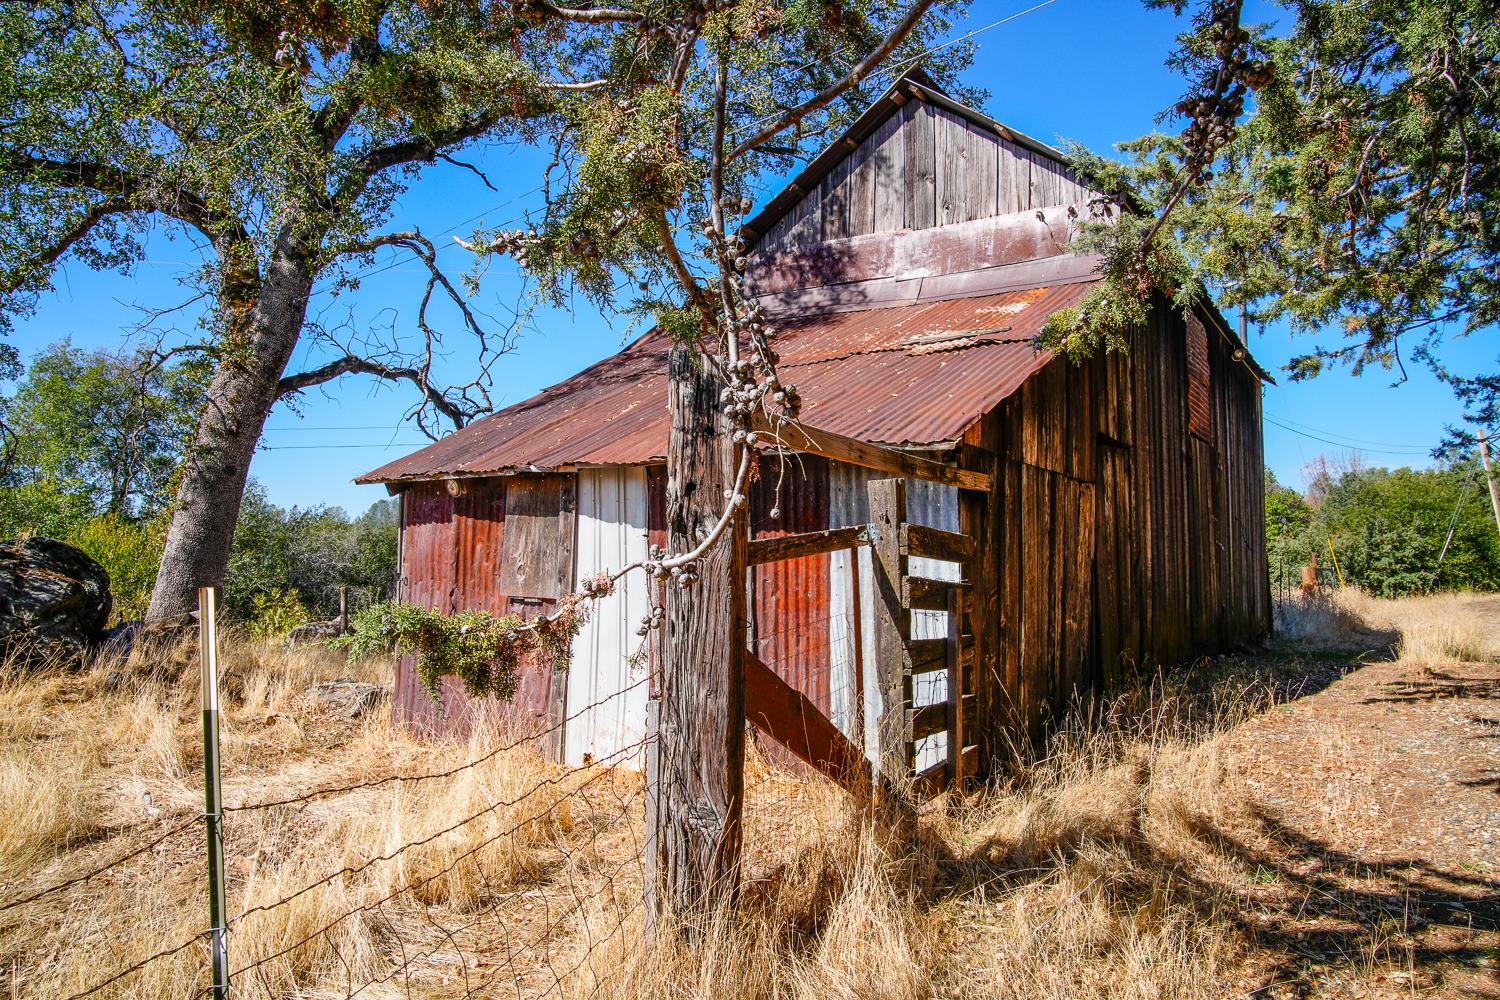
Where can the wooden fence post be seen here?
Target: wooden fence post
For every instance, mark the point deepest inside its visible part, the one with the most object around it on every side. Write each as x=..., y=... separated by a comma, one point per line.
x=698, y=770
x=892, y=628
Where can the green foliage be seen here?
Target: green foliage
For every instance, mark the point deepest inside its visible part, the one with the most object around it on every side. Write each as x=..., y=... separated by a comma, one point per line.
x=483, y=650
x=129, y=551
x=42, y=509
x=276, y=612
x=108, y=426
x=312, y=550
x=1387, y=527
x=1360, y=199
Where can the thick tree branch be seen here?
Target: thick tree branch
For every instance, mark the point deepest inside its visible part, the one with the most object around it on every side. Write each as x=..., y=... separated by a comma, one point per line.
x=144, y=192
x=865, y=67
x=351, y=364
x=590, y=15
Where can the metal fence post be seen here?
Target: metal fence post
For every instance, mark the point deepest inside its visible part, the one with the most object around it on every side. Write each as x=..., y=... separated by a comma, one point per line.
x=208, y=655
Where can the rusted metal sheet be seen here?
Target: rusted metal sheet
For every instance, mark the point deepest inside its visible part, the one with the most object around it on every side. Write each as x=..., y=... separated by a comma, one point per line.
x=909, y=375
x=451, y=548
x=791, y=613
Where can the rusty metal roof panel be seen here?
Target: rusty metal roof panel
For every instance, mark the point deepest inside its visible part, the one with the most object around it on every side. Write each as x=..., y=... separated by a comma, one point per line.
x=908, y=375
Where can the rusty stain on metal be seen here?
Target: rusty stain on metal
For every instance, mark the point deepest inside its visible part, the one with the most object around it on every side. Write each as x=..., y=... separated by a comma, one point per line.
x=857, y=373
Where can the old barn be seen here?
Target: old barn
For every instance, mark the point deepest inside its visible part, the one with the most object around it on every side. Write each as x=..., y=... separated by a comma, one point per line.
x=909, y=269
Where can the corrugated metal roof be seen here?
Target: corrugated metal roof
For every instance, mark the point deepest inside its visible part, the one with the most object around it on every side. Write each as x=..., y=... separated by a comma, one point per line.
x=913, y=375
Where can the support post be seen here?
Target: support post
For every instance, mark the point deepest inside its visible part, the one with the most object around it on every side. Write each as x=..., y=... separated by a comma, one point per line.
x=208, y=655
x=856, y=655
x=979, y=518
x=1489, y=474
x=698, y=773
x=343, y=610
x=892, y=628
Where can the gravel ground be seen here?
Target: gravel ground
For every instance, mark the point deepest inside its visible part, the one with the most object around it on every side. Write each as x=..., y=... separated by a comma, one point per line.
x=1378, y=806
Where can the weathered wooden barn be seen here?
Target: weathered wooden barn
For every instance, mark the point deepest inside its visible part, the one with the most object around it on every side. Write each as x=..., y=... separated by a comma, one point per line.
x=909, y=269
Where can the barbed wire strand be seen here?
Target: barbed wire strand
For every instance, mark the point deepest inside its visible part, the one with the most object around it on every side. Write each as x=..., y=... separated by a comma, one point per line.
x=117, y=862
x=602, y=773
x=435, y=775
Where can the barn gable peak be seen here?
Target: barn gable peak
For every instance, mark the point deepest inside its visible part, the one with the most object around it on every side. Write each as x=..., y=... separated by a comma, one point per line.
x=916, y=159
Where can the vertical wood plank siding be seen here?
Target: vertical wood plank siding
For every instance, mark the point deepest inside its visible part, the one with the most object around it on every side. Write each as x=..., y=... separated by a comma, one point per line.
x=924, y=167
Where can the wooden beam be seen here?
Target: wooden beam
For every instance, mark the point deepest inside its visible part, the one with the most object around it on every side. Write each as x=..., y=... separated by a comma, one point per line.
x=925, y=594
x=801, y=437
x=935, y=543
x=892, y=627
x=809, y=543
x=790, y=718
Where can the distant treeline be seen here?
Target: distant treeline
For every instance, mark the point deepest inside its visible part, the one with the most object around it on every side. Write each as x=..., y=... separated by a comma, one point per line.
x=1386, y=528
x=95, y=441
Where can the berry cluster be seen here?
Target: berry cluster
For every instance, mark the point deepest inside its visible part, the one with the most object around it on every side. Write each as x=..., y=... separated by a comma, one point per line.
x=1216, y=108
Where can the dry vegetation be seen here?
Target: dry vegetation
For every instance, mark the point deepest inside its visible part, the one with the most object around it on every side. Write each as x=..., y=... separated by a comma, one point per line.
x=1126, y=860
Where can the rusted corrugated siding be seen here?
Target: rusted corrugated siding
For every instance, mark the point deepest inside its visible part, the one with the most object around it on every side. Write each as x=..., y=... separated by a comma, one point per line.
x=791, y=596
x=427, y=579
x=895, y=376
x=451, y=549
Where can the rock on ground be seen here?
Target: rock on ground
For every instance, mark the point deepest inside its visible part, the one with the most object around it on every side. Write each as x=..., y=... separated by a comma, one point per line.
x=54, y=600
x=313, y=632
x=346, y=696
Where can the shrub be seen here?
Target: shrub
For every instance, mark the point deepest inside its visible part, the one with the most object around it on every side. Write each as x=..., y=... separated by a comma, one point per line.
x=129, y=552
x=276, y=612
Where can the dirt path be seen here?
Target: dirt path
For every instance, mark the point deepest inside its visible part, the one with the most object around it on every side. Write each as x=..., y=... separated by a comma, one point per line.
x=1378, y=806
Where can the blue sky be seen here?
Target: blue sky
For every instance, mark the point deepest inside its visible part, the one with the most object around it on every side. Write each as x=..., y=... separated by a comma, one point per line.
x=1070, y=69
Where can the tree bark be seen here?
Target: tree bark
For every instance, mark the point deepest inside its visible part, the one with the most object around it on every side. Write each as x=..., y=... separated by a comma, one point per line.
x=698, y=763
x=240, y=397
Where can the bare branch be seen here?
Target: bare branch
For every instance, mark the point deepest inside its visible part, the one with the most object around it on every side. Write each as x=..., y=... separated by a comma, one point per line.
x=866, y=66
x=351, y=364
x=470, y=167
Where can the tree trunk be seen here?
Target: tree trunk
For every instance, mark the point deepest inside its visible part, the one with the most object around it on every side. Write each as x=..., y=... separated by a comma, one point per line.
x=240, y=397
x=698, y=765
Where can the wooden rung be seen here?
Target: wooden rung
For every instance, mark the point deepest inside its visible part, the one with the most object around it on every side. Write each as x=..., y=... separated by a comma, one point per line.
x=935, y=543
x=810, y=543
x=926, y=721
x=920, y=593
x=928, y=655
x=970, y=705
x=931, y=781
x=968, y=762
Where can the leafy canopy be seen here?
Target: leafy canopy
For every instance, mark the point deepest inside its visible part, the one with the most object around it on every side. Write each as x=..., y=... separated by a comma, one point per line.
x=1359, y=199
x=107, y=425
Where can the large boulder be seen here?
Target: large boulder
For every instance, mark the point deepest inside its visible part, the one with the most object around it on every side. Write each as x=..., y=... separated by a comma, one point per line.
x=54, y=600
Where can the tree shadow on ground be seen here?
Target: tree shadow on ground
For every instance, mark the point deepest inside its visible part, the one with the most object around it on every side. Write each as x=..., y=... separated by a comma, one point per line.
x=1306, y=912
x=1434, y=684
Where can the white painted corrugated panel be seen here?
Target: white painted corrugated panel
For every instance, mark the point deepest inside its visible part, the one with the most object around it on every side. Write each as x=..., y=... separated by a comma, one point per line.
x=930, y=504
x=611, y=714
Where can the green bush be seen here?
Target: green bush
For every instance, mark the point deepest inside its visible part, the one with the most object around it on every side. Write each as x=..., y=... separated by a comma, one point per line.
x=129, y=551
x=276, y=612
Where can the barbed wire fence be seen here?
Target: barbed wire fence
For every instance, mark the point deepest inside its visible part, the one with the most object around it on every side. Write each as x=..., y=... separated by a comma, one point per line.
x=522, y=877
x=516, y=896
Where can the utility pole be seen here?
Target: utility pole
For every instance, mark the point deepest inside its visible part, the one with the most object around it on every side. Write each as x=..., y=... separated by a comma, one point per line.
x=1489, y=474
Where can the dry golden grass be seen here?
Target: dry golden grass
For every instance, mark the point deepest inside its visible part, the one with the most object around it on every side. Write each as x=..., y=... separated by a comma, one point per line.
x=1097, y=867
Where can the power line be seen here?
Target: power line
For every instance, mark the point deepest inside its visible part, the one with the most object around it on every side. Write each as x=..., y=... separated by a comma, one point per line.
x=322, y=447
x=1340, y=444
x=1350, y=437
